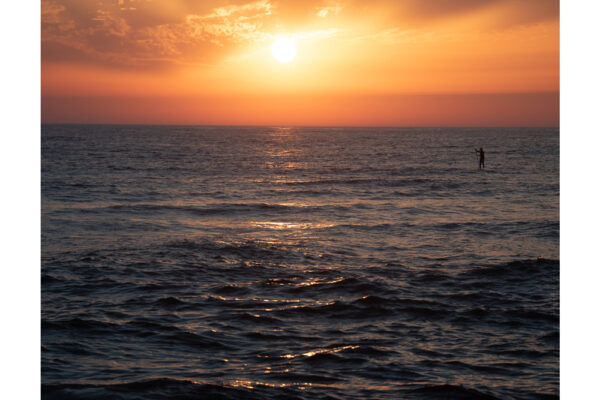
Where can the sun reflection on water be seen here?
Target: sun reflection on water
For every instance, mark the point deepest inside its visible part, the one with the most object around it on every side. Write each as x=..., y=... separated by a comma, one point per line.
x=278, y=225
x=312, y=352
x=248, y=384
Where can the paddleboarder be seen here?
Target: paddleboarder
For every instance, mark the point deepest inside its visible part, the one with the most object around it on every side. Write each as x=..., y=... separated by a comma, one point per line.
x=481, y=157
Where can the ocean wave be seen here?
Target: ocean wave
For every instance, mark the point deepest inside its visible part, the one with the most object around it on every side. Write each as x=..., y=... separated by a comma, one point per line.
x=212, y=209
x=429, y=183
x=194, y=340
x=344, y=285
x=257, y=319
x=278, y=337
x=234, y=303
x=368, y=307
x=159, y=388
x=230, y=290
x=523, y=268
x=170, y=301
x=91, y=326
x=247, y=249
x=50, y=279
x=450, y=392
x=334, y=309
x=486, y=369
x=149, y=330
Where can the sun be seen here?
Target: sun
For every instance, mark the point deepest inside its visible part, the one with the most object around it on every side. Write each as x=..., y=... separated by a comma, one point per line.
x=284, y=49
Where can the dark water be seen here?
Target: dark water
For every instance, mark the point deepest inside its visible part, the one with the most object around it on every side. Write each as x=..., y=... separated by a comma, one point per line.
x=270, y=263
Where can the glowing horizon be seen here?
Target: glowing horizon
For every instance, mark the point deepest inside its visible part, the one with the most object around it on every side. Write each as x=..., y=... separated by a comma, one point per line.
x=415, y=63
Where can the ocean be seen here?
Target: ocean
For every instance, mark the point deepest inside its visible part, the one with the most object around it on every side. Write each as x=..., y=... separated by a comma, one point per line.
x=183, y=262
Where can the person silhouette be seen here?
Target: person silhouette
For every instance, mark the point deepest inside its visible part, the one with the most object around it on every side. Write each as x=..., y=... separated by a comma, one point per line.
x=481, y=157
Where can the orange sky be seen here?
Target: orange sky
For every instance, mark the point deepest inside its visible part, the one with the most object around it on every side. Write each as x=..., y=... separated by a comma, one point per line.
x=382, y=62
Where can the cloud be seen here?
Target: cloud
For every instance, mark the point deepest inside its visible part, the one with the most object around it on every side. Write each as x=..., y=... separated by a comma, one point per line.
x=199, y=37
x=333, y=9
x=112, y=35
x=418, y=12
x=51, y=12
x=153, y=33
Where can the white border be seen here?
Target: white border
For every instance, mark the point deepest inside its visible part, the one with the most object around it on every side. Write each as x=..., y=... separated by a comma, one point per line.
x=580, y=199
x=20, y=168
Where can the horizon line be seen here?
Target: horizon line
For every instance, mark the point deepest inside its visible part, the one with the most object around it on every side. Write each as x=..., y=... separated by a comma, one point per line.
x=294, y=126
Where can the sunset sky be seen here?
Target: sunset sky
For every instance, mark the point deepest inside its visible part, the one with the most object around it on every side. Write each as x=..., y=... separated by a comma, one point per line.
x=378, y=63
